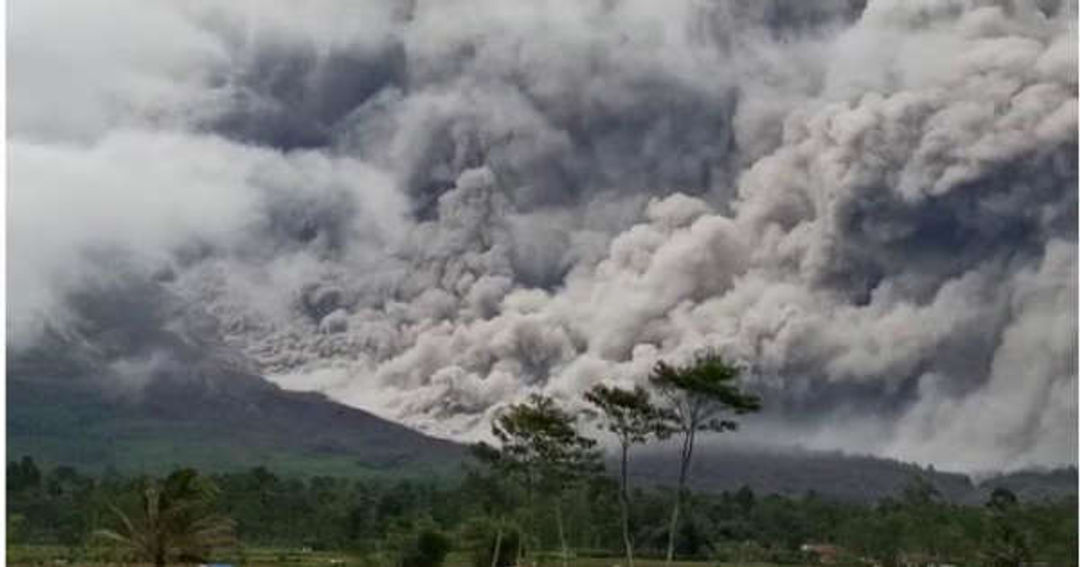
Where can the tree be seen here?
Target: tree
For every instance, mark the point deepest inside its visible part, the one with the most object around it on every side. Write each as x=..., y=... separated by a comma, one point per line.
x=173, y=520
x=1002, y=501
x=491, y=544
x=424, y=545
x=495, y=499
x=697, y=395
x=927, y=517
x=540, y=442
x=23, y=475
x=1008, y=542
x=632, y=417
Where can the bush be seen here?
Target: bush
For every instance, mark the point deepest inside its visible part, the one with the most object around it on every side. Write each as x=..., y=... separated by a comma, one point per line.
x=427, y=548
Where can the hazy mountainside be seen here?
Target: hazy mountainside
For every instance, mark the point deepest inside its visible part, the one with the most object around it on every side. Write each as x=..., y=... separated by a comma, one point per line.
x=795, y=473
x=116, y=386
x=1034, y=485
x=232, y=420
x=838, y=476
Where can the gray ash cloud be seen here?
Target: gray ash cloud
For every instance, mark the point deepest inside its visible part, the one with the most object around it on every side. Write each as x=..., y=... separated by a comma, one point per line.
x=431, y=209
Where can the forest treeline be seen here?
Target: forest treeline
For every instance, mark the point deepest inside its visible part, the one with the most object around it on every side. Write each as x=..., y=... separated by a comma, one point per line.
x=62, y=506
x=541, y=492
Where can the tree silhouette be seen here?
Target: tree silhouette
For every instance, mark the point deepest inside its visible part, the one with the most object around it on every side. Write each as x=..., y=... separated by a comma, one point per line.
x=631, y=416
x=697, y=395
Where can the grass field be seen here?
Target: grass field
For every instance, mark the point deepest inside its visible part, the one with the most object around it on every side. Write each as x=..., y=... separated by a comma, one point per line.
x=54, y=556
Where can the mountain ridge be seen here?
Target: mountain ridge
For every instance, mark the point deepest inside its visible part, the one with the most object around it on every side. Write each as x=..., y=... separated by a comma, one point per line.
x=238, y=421
x=136, y=382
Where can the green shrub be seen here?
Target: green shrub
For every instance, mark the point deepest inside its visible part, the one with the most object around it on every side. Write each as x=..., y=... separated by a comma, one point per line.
x=426, y=548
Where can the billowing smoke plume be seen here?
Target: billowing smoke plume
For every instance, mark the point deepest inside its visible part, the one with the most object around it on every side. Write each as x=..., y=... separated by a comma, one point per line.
x=432, y=208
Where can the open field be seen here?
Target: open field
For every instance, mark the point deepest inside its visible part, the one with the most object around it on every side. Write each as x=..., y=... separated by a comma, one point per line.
x=47, y=555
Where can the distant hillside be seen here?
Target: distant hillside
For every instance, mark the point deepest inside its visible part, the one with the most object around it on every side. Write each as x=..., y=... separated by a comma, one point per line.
x=217, y=418
x=67, y=403
x=134, y=384
x=139, y=380
x=839, y=476
x=236, y=422
x=1034, y=485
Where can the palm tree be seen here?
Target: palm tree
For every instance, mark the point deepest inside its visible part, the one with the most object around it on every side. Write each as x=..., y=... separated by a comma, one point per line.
x=174, y=520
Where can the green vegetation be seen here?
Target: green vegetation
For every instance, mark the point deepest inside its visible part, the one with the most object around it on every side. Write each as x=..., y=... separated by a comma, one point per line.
x=234, y=422
x=540, y=497
x=543, y=452
x=174, y=521
x=380, y=523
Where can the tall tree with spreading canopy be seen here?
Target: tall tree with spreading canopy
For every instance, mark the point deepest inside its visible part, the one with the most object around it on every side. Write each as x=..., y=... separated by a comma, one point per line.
x=631, y=416
x=539, y=440
x=698, y=395
x=174, y=520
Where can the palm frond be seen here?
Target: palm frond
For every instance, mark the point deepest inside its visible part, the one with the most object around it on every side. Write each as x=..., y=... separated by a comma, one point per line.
x=172, y=522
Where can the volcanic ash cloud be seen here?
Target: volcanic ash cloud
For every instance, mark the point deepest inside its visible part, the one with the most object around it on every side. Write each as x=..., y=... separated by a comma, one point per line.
x=430, y=215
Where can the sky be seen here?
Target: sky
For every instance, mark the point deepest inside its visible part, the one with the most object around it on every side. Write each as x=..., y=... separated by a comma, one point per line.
x=431, y=209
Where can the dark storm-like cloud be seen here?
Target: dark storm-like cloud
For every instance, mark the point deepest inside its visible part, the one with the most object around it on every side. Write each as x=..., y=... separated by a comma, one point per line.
x=430, y=209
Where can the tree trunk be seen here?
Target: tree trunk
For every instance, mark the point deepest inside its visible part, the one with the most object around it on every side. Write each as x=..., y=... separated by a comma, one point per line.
x=562, y=532
x=684, y=466
x=624, y=499
x=526, y=533
x=521, y=547
x=498, y=546
x=160, y=548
